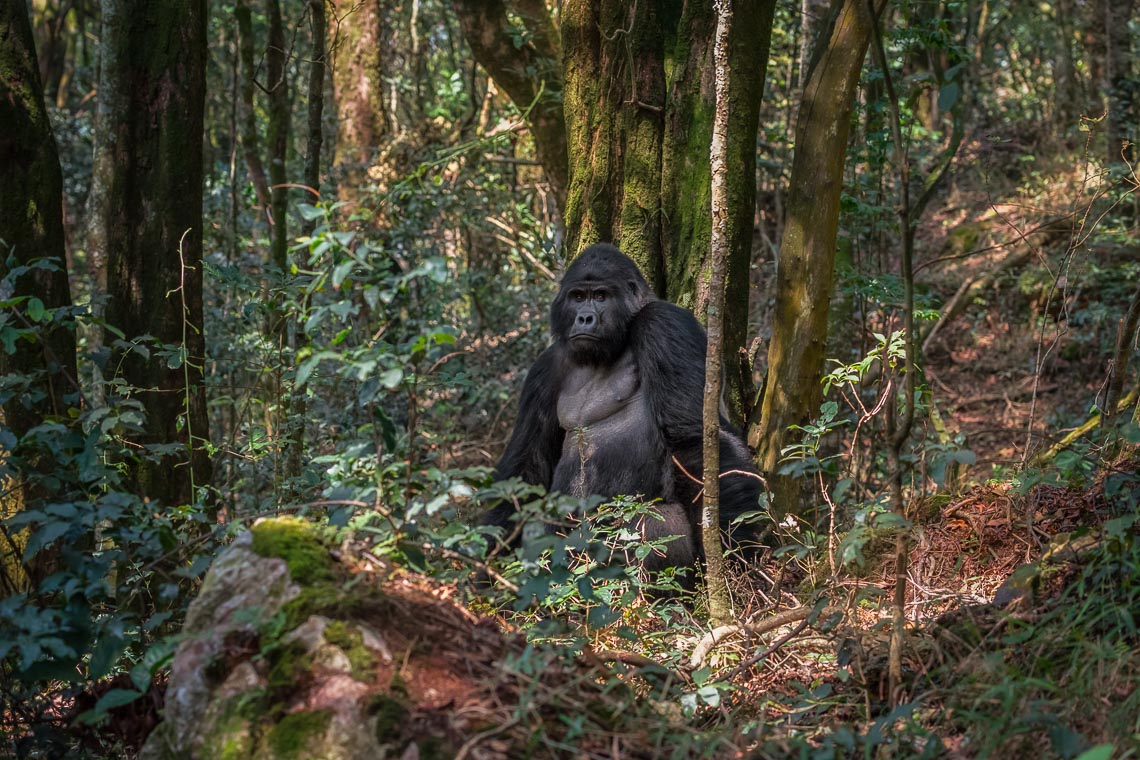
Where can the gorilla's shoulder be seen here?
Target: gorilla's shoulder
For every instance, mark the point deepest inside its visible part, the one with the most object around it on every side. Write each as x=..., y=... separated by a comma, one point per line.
x=668, y=331
x=660, y=313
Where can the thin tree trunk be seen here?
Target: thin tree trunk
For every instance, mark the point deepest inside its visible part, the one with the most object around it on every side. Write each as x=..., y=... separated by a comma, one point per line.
x=1118, y=76
x=319, y=31
x=719, y=607
x=154, y=77
x=899, y=430
x=250, y=138
x=278, y=133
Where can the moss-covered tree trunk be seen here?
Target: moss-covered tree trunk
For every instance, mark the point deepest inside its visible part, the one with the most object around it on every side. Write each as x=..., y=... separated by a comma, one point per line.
x=277, y=134
x=686, y=179
x=592, y=58
x=153, y=71
x=37, y=353
x=637, y=100
x=805, y=275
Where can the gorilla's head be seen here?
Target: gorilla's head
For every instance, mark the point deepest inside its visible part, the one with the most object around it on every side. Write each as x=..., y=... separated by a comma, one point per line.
x=600, y=293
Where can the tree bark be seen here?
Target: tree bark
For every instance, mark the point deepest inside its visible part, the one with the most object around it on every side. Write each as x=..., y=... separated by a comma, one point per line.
x=250, y=136
x=153, y=75
x=805, y=275
x=358, y=89
x=528, y=73
x=686, y=205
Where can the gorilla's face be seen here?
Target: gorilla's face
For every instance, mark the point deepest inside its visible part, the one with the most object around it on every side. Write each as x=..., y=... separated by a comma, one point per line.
x=600, y=294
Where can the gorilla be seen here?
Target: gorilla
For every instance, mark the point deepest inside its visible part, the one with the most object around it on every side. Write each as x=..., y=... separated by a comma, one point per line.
x=614, y=407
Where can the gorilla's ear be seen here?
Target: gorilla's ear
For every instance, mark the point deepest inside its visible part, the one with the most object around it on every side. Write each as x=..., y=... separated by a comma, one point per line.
x=632, y=286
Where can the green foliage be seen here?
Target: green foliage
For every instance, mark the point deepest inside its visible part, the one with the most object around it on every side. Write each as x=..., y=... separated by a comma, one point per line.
x=118, y=568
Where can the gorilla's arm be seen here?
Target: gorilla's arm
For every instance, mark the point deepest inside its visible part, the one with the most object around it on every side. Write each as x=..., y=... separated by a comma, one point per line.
x=670, y=348
x=536, y=443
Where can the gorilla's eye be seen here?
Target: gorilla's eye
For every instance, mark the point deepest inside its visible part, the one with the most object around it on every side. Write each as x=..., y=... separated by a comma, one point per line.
x=578, y=296
x=600, y=296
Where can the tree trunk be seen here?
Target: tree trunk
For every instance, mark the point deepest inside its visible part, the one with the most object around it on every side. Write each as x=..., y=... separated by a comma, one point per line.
x=528, y=73
x=277, y=133
x=358, y=89
x=638, y=98
x=250, y=136
x=153, y=74
x=805, y=273
x=593, y=91
x=31, y=228
x=37, y=366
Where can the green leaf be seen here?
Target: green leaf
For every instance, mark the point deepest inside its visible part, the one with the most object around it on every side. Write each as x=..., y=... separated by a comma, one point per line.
x=342, y=271
x=391, y=378
x=105, y=655
x=35, y=309
x=310, y=213
x=109, y=701
x=948, y=96
x=1099, y=752
x=709, y=695
x=47, y=534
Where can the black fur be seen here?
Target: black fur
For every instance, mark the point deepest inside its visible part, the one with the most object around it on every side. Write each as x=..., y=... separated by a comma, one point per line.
x=631, y=368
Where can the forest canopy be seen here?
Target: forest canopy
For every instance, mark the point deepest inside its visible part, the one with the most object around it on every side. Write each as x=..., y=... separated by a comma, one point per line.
x=272, y=274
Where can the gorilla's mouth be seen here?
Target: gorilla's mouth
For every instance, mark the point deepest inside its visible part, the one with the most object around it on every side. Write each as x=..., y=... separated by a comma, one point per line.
x=586, y=336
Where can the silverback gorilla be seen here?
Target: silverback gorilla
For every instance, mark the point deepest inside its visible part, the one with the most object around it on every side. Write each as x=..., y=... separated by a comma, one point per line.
x=613, y=407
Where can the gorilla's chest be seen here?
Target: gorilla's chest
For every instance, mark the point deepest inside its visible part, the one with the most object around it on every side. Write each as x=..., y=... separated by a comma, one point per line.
x=596, y=395
x=610, y=446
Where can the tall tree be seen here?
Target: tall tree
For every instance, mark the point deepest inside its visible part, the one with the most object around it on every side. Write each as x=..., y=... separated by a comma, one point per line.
x=716, y=584
x=149, y=162
x=37, y=360
x=805, y=275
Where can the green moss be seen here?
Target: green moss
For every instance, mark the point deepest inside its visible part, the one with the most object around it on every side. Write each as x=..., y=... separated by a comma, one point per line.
x=351, y=642
x=296, y=542
x=231, y=740
x=391, y=711
x=288, y=666
x=293, y=735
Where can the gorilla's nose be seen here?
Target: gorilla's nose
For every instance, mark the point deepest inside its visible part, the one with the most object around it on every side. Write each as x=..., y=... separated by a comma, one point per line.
x=585, y=320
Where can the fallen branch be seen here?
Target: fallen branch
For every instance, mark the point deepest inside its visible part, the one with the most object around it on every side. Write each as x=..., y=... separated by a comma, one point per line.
x=723, y=633
x=966, y=292
x=1048, y=454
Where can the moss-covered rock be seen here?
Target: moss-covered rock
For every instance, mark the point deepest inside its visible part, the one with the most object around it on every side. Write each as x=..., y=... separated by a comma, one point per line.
x=259, y=676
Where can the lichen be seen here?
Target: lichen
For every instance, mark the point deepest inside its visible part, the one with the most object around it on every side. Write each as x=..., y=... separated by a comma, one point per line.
x=293, y=735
